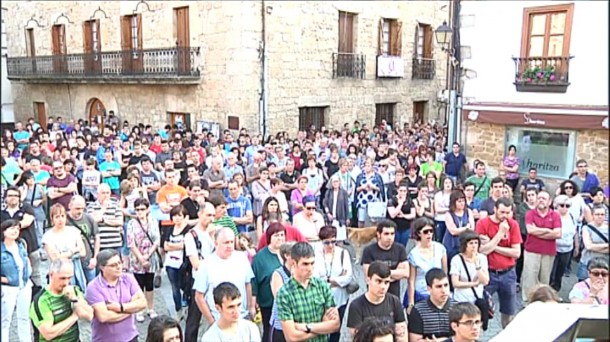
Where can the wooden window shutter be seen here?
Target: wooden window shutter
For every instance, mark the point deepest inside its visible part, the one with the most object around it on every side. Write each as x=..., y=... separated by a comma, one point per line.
x=233, y=122
x=416, y=41
x=87, y=35
x=125, y=33
x=428, y=35
x=64, y=43
x=55, y=39
x=396, y=38
x=380, y=52
x=98, y=35
x=139, y=21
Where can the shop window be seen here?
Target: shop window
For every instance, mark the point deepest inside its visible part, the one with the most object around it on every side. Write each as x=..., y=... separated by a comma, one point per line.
x=551, y=151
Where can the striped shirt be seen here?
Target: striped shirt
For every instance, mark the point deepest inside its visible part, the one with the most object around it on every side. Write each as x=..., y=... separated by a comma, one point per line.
x=227, y=222
x=427, y=320
x=110, y=236
x=51, y=308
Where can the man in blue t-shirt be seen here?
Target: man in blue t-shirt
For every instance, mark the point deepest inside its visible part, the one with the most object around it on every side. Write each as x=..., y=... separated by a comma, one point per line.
x=454, y=162
x=21, y=137
x=239, y=207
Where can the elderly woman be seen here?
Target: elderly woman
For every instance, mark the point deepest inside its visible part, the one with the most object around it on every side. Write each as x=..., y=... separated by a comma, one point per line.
x=469, y=273
x=594, y=289
x=369, y=188
x=333, y=264
x=309, y=222
x=566, y=243
x=336, y=207
x=15, y=274
x=595, y=240
x=280, y=277
x=266, y=261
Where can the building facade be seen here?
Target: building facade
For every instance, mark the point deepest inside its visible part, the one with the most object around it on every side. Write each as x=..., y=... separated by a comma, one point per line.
x=263, y=65
x=541, y=84
x=7, y=97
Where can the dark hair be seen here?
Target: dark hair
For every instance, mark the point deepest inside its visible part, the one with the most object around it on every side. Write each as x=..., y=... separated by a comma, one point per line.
x=217, y=200
x=379, y=268
x=385, y=223
x=274, y=228
x=434, y=274
x=497, y=180
x=372, y=328
x=543, y=293
x=467, y=236
x=512, y=147
x=459, y=310
x=193, y=184
x=595, y=191
x=308, y=199
x=454, y=197
x=179, y=209
x=141, y=201
x=419, y=224
x=159, y=325
x=265, y=210
x=301, y=250
x=225, y=290
x=597, y=263
x=562, y=187
x=327, y=232
x=6, y=225
x=507, y=202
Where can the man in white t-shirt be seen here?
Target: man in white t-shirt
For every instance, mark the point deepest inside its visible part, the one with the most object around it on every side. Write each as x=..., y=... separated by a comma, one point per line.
x=224, y=266
x=230, y=326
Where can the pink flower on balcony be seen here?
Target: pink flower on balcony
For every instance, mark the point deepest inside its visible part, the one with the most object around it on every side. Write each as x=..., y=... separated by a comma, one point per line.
x=540, y=75
x=529, y=80
x=552, y=78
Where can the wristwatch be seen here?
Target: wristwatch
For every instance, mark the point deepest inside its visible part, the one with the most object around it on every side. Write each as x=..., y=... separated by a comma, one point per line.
x=75, y=300
x=307, y=328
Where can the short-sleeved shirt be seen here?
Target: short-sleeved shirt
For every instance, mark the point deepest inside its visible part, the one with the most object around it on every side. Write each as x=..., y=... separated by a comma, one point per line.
x=172, y=197
x=238, y=208
x=482, y=194
x=110, y=236
x=112, y=181
x=305, y=305
x=55, y=182
x=454, y=164
x=212, y=176
x=490, y=228
x=51, y=308
x=534, y=244
x=422, y=265
x=389, y=310
x=427, y=320
x=488, y=205
x=99, y=291
x=245, y=331
x=190, y=247
x=457, y=268
x=227, y=222
x=29, y=233
x=392, y=257
x=535, y=184
x=87, y=225
x=149, y=179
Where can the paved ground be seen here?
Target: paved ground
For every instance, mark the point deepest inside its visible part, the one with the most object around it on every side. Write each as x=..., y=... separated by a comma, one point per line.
x=163, y=297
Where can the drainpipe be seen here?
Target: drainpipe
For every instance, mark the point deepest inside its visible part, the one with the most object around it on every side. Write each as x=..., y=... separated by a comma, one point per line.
x=264, y=98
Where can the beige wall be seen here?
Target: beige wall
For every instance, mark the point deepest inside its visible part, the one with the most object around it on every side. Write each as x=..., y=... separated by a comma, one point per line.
x=301, y=39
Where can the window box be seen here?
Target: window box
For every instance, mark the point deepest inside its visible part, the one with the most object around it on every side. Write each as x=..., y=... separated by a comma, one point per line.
x=542, y=74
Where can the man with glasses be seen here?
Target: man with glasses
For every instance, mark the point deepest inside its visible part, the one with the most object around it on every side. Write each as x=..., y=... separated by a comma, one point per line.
x=465, y=321
x=89, y=233
x=543, y=229
x=429, y=319
x=115, y=297
x=585, y=180
x=62, y=185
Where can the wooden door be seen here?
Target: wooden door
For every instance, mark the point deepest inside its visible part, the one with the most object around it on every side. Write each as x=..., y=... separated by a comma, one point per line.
x=419, y=109
x=41, y=114
x=428, y=34
x=58, y=35
x=131, y=43
x=97, y=112
x=183, y=40
x=92, y=46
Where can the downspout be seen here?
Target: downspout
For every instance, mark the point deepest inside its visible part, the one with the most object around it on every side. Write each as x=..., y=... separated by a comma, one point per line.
x=448, y=75
x=264, y=98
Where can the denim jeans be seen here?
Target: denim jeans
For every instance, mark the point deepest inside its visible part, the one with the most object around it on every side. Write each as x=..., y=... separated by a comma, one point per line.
x=402, y=236
x=439, y=231
x=173, y=274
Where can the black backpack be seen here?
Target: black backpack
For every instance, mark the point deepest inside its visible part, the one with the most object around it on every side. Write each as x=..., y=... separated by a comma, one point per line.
x=186, y=270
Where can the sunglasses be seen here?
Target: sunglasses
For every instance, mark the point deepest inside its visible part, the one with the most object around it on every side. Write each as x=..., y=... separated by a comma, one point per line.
x=427, y=231
x=329, y=242
x=142, y=209
x=568, y=187
x=564, y=205
x=599, y=273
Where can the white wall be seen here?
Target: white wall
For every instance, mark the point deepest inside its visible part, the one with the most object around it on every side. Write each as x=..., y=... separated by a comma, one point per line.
x=7, y=97
x=496, y=37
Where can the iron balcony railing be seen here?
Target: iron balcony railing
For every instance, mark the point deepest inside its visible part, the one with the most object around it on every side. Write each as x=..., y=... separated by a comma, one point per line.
x=424, y=68
x=542, y=74
x=351, y=65
x=177, y=62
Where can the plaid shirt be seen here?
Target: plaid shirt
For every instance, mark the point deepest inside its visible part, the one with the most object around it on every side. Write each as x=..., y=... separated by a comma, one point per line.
x=305, y=305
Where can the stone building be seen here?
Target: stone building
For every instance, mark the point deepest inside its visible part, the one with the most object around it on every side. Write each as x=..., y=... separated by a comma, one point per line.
x=280, y=65
x=541, y=85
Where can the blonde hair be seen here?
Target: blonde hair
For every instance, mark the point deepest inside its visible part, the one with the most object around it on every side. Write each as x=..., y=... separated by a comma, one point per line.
x=56, y=209
x=126, y=187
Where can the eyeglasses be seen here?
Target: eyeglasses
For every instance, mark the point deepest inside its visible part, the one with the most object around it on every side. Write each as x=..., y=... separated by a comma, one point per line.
x=142, y=209
x=598, y=273
x=564, y=205
x=114, y=265
x=329, y=242
x=427, y=231
x=568, y=187
x=310, y=208
x=471, y=324
x=581, y=166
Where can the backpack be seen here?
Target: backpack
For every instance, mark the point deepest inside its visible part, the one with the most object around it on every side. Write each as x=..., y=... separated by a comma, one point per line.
x=186, y=270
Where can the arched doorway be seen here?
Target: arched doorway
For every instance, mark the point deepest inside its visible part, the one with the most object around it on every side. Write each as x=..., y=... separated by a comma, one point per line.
x=97, y=112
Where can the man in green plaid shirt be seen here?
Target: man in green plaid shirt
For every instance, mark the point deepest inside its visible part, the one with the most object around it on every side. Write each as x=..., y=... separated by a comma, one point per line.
x=305, y=303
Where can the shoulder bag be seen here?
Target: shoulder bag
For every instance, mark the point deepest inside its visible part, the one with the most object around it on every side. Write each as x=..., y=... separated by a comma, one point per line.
x=598, y=233
x=480, y=187
x=377, y=210
x=485, y=304
x=157, y=280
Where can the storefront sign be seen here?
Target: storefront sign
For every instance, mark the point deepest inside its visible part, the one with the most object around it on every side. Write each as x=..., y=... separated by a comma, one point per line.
x=529, y=121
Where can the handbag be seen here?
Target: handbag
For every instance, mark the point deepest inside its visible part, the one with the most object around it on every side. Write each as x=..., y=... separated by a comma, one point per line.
x=157, y=280
x=485, y=304
x=353, y=285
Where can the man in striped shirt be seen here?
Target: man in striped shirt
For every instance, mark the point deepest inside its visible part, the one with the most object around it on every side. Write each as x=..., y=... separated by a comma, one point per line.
x=106, y=212
x=221, y=219
x=429, y=319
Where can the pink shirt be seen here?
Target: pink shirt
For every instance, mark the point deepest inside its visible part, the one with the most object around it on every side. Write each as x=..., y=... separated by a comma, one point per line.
x=534, y=244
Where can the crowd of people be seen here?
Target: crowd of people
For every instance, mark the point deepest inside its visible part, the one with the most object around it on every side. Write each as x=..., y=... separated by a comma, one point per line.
x=252, y=234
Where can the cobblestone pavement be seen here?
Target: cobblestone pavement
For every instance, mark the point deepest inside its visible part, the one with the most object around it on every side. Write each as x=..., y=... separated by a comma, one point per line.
x=163, y=305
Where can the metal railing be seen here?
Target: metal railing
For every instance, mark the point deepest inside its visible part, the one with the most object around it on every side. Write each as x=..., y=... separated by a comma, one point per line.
x=424, y=68
x=542, y=70
x=351, y=65
x=173, y=61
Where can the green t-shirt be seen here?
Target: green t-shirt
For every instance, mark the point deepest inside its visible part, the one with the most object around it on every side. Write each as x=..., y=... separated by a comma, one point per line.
x=426, y=168
x=227, y=222
x=483, y=194
x=54, y=309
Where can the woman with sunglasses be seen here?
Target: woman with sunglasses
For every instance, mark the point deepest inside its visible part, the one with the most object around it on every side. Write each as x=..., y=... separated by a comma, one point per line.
x=333, y=264
x=578, y=207
x=594, y=289
x=566, y=243
x=426, y=254
x=595, y=241
x=143, y=241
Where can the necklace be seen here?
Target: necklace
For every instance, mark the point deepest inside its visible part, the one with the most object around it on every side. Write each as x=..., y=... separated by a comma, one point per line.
x=328, y=269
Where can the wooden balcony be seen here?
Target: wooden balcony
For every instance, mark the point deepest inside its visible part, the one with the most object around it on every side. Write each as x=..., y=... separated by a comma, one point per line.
x=542, y=74
x=174, y=65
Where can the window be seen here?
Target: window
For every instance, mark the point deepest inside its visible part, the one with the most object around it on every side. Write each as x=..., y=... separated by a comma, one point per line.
x=179, y=119
x=551, y=151
x=233, y=122
x=390, y=37
x=311, y=116
x=131, y=33
x=384, y=111
x=346, y=32
x=30, y=47
x=59, y=39
x=546, y=31
x=423, y=41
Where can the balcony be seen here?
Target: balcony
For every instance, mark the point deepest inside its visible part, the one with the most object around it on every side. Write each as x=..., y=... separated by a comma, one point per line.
x=174, y=65
x=542, y=74
x=423, y=68
x=349, y=65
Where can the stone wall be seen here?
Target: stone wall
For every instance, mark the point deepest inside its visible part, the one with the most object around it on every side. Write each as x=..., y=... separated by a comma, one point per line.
x=301, y=37
x=592, y=146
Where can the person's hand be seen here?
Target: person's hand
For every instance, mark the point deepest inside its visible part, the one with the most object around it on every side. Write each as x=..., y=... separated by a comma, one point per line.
x=69, y=292
x=92, y=264
x=330, y=216
x=113, y=306
x=409, y=308
x=252, y=312
x=504, y=228
x=477, y=262
x=145, y=264
x=597, y=286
